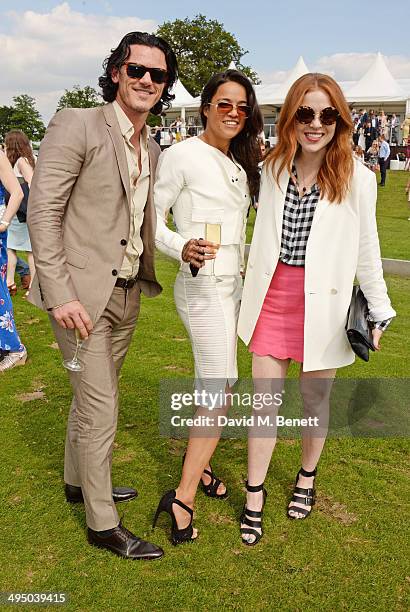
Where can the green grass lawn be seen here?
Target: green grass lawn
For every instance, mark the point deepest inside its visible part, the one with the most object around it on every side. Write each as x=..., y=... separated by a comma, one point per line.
x=351, y=554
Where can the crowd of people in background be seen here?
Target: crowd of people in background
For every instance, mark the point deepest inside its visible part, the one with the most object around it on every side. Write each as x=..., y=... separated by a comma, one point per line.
x=373, y=133
x=368, y=125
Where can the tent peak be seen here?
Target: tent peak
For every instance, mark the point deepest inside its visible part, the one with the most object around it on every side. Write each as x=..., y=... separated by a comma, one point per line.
x=377, y=82
x=182, y=95
x=301, y=64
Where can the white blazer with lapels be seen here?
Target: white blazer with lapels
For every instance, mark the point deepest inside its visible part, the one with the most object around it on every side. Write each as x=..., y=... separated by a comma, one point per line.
x=202, y=185
x=343, y=243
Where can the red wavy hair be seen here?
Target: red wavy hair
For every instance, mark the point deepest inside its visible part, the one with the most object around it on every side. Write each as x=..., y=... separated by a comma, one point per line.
x=337, y=168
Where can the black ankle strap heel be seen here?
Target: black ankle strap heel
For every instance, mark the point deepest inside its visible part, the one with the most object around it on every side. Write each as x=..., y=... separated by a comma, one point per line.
x=178, y=536
x=211, y=489
x=307, y=474
x=302, y=496
x=253, y=525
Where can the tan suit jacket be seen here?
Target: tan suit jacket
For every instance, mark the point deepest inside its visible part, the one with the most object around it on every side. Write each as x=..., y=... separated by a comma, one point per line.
x=79, y=212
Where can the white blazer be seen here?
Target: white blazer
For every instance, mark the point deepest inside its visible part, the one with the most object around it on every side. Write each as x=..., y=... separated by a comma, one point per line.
x=343, y=243
x=202, y=185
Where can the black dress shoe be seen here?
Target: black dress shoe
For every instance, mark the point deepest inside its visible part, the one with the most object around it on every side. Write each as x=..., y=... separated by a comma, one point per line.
x=125, y=544
x=74, y=495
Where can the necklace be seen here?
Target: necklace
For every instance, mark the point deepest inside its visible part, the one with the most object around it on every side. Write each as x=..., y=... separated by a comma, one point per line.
x=306, y=180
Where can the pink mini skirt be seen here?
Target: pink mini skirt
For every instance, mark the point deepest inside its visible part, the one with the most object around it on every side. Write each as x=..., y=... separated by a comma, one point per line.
x=279, y=330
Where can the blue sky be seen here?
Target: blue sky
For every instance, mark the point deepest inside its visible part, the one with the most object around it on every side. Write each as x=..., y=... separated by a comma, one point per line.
x=47, y=46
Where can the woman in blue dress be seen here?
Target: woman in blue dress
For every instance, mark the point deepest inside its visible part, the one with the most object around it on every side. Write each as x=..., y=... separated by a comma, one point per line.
x=12, y=351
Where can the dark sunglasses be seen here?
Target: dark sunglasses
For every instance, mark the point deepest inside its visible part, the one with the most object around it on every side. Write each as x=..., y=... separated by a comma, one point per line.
x=327, y=116
x=136, y=71
x=224, y=108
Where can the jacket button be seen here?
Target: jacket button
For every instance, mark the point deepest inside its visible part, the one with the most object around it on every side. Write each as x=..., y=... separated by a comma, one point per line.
x=114, y=272
x=123, y=242
x=333, y=291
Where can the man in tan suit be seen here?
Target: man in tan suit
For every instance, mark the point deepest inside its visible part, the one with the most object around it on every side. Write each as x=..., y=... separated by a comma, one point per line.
x=92, y=225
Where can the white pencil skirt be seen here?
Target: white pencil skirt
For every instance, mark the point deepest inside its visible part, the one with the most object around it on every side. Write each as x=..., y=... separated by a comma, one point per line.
x=209, y=309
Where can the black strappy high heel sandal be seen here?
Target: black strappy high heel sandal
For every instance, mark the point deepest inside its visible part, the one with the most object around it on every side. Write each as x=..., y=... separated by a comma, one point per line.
x=255, y=514
x=178, y=536
x=211, y=489
x=302, y=496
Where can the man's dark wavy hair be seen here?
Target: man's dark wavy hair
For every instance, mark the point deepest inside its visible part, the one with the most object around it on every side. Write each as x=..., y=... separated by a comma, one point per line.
x=244, y=147
x=120, y=55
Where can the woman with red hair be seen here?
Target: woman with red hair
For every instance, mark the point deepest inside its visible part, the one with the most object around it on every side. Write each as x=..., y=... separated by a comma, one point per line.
x=315, y=231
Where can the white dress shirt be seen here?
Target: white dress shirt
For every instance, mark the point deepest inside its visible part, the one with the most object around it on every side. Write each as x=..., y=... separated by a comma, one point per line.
x=139, y=186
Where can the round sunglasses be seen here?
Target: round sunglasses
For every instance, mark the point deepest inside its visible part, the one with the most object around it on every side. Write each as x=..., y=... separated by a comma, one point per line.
x=327, y=116
x=224, y=108
x=137, y=71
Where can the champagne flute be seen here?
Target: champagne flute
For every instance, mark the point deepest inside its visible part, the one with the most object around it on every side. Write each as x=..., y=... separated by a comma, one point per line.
x=213, y=234
x=73, y=364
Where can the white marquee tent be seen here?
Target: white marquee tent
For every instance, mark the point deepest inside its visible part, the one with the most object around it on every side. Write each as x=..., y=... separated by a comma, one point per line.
x=182, y=98
x=376, y=85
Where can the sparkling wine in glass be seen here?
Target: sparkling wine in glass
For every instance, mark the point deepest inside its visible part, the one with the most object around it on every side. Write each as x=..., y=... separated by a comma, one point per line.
x=73, y=364
x=213, y=234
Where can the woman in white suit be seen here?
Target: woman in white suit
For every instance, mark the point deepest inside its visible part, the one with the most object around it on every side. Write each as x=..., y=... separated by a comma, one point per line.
x=209, y=181
x=315, y=231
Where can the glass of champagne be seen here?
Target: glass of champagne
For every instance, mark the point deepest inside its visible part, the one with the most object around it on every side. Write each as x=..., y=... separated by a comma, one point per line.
x=213, y=234
x=73, y=364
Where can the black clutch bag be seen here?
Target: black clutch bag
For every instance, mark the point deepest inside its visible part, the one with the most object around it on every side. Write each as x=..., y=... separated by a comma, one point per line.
x=358, y=328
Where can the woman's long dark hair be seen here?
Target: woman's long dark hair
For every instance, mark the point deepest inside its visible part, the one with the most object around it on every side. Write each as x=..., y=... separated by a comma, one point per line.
x=244, y=147
x=120, y=55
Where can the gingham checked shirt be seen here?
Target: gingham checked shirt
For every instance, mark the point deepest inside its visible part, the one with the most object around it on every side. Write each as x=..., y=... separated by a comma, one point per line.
x=297, y=220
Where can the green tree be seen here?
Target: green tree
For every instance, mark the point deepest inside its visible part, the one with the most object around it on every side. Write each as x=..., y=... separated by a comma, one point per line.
x=85, y=97
x=5, y=118
x=153, y=120
x=26, y=117
x=203, y=47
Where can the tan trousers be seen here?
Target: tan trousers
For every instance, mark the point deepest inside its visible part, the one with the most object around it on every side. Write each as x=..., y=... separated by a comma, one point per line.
x=92, y=422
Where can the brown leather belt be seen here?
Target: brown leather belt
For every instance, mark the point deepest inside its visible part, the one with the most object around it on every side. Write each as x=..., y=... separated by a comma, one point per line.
x=125, y=283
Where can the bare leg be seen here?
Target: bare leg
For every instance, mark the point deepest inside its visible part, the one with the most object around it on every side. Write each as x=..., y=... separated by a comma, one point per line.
x=11, y=266
x=30, y=260
x=199, y=452
x=315, y=388
x=268, y=376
